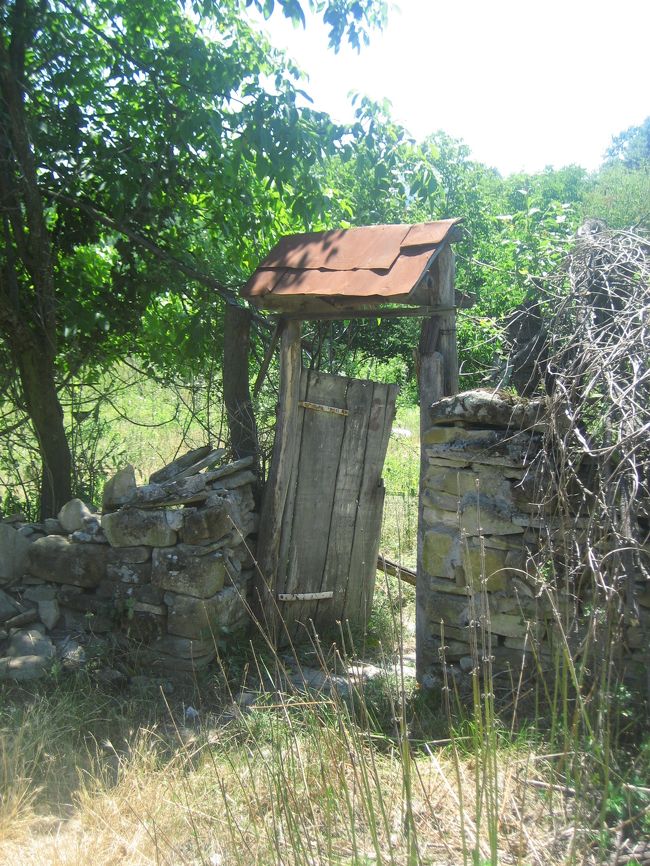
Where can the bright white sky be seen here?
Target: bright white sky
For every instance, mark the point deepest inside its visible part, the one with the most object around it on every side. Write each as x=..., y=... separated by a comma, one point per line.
x=525, y=84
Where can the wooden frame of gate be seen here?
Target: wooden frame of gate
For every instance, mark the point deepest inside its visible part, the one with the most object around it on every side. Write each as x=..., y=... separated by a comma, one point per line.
x=437, y=365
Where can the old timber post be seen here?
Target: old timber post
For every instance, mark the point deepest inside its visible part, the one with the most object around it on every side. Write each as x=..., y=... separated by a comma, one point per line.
x=277, y=485
x=438, y=377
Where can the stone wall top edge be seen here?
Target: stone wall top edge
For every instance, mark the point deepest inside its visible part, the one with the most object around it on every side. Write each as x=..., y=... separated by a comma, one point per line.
x=490, y=408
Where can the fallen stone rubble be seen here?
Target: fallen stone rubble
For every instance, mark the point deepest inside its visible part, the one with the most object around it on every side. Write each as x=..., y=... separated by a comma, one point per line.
x=164, y=570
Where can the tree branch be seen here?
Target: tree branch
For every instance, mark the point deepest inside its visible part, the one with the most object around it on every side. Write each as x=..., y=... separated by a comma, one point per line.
x=159, y=252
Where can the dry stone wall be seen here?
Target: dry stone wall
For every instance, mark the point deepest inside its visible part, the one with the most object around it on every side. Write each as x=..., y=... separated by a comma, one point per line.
x=487, y=515
x=165, y=570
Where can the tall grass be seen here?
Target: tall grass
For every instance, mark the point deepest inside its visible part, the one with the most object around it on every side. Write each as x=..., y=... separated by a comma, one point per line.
x=273, y=770
x=547, y=767
x=299, y=778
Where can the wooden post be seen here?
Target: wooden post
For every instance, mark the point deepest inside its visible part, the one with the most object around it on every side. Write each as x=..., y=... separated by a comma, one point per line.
x=431, y=388
x=277, y=486
x=438, y=377
x=447, y=343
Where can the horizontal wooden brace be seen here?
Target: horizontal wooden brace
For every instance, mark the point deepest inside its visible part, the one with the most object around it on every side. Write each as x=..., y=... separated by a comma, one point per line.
x=318, y=407
x=304, y=596
x=375, y=313
x=397, y=570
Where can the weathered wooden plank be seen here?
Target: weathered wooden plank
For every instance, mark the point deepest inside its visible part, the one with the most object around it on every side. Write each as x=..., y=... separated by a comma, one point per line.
x=320, y=451
x=401, y=571
x=303, y=596
x=344, y=511
x=431, y=386
x=373, y=541
x=447, y=342
x=171, y=471
x=277, y=486
x=363, y=560
x=377, y=311
x=287, y=571
x=359, y=601
x=319, y=407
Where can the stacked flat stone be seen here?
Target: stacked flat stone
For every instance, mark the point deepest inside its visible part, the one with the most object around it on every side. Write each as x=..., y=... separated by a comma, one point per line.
x=166, y=568
x=482, y=510
x=487, y=509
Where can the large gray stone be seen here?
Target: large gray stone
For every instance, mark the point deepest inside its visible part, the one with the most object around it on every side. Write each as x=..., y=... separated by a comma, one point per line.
x=449, y=650
x=191, y=617
x=510, y=625
x=87, y=612
x=447, y=585
x=485, y=569
x=54, y=558
x=136, y=527
x=487, y=515
x=129, y=572
x=198, y=576
x=233, y=613
x=14, y=548
x=118, y=555
x=206, y=618
x=441, y=552
x=493, y=408
x=119, y=488
x=49, y=612
x=24, y=668
x=72, y=515
x=183, y=647
x=21, y=619
x=208, y=524
x=40, y=592
x=459, y=437
x=8, y=606
x=483, y=448
x=482, y=479
x=172, y=664
x=439, y=499
x=185, y=491
x=30, y=642
x=453, y=610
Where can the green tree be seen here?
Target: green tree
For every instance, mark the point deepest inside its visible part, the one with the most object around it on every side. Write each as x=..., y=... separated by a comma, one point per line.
x=144, y=151
x=632, y=146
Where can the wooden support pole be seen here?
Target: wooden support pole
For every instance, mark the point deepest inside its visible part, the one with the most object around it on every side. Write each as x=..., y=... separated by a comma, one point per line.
x=277, y=486
x=447, y=341
x=438, y=377
x=432, y=388
x=397, y=570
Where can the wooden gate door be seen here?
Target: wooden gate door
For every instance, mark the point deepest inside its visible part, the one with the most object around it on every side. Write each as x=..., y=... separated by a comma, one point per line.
x=331, y=522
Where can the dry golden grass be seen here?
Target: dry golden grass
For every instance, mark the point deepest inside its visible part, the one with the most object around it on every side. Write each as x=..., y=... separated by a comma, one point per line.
x=297, y=782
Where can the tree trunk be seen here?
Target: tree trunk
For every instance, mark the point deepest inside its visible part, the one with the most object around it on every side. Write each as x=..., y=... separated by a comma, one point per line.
x=236, y=386
x=37, y=377
x=27, y=295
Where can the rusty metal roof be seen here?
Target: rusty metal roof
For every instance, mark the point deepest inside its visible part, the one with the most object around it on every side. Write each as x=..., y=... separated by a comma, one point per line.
x=370, y=264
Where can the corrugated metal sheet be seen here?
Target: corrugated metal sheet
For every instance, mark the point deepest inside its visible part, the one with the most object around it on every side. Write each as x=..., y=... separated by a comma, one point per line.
x=369, y=247
x=406, y=271
x=382, y=262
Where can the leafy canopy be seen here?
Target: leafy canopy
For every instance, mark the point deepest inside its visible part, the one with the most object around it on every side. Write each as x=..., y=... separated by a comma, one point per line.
x=170, y=145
